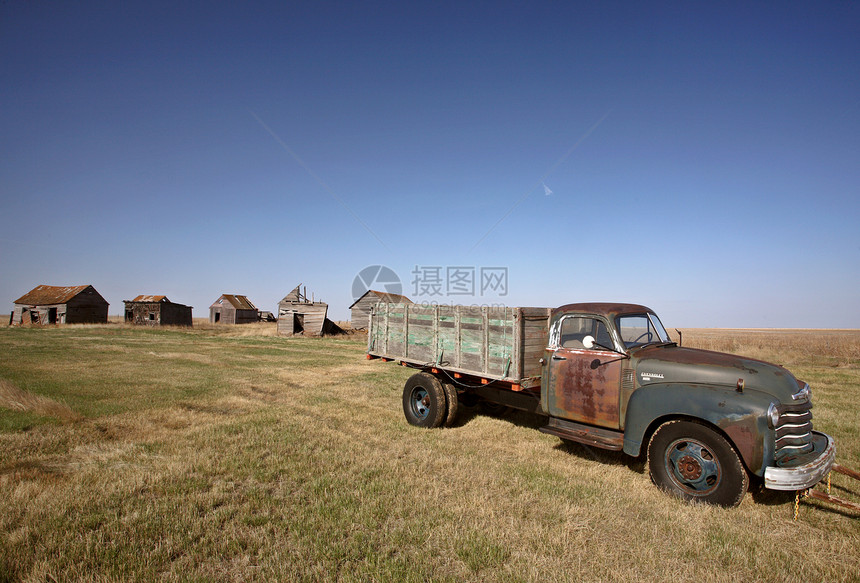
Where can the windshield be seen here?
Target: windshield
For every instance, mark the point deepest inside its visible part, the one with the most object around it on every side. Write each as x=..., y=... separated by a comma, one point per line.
x=640, y=329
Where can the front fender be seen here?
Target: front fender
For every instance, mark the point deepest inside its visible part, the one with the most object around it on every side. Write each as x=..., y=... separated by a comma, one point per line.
x=741, y=416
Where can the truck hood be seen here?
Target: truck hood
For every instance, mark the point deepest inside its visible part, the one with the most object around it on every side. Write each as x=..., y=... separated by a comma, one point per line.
x=674, y=364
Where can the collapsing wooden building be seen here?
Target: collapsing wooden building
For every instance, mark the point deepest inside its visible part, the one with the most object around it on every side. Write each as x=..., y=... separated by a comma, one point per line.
x=233, y=309
x=48, y=304
x=360, y=309
x=299, y=315
x=156, y=311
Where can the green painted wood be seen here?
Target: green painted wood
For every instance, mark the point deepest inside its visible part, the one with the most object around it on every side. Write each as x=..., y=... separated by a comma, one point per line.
x=497, y=342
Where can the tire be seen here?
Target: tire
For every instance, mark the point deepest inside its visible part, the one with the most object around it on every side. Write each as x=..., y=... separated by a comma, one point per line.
x=424, y=401
x=694, y=462
x=453, y=403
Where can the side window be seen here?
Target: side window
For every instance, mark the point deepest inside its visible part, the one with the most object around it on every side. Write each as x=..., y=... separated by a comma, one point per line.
x=601, y=335
x=575, y=328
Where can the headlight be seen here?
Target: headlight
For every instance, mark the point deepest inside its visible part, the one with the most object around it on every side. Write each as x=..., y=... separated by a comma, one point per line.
x=772, y=416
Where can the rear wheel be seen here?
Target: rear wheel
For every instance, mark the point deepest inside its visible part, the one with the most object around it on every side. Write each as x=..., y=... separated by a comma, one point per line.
x=453, y=402
x=694, y=462
x=424, y=402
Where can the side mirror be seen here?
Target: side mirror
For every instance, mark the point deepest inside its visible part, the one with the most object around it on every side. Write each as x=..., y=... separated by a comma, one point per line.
x=588, y=342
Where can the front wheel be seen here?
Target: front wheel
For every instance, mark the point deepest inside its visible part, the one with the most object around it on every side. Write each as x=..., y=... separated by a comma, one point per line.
x=694, y=462
x=424, y=402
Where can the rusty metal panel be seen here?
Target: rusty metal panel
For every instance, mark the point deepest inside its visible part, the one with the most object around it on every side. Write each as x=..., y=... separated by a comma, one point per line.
x=606, y=309
x=49, y=294
x=150, y=299
x=580, y=391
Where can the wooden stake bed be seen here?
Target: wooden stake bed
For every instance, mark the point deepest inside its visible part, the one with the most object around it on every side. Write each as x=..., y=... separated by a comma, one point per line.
x=493, y=343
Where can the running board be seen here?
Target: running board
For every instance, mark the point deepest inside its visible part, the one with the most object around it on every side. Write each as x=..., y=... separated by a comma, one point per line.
x=596, y=436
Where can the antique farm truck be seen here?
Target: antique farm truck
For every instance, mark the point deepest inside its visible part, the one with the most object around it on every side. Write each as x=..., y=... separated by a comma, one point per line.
x=608, y=375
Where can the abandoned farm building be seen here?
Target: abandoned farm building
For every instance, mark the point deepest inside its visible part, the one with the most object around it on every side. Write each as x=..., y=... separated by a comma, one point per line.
x=48, y=304
x=360, y=309
x=266, y=316
x=156, y=311
x=299, y=315
x=233, y=309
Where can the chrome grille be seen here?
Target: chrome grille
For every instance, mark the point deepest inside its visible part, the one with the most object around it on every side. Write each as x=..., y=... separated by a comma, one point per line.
x=793, y=432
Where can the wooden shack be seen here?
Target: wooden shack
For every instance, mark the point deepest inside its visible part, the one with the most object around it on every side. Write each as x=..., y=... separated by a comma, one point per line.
x=360, y=309
x=265, y=316
x=48, y=304
x=299, y=315
x=154, y=310
x=233, y=309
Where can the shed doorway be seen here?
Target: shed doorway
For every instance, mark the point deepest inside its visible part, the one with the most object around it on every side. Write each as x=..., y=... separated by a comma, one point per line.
x=298, y=323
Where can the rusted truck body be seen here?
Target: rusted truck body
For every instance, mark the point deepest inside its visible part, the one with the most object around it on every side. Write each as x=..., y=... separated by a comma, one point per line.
x=609, y=376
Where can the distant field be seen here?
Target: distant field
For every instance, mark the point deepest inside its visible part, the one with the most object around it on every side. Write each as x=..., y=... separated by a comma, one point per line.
x=228, y=453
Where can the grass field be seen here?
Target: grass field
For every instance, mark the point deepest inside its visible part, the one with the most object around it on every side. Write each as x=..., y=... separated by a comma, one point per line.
x=230, y=454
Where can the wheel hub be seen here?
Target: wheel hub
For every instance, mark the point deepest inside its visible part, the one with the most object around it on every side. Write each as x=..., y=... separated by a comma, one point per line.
x=693, y=467
x=689, y=468
x=421, y=403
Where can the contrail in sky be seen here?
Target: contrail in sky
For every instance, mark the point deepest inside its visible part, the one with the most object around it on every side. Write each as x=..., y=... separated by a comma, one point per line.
x=319, y=180
x=542, y=178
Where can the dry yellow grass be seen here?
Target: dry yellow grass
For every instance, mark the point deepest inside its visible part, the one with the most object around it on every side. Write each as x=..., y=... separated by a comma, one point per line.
x=219, y=455
x=15, y=399
x=782, y=346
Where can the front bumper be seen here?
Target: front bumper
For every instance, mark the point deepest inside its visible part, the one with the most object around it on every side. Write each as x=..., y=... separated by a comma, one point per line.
x=808, y=473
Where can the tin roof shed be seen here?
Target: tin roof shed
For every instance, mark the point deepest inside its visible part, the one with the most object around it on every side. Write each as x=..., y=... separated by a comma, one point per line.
x=50, y=304
x=156, y=310
x=51, y=294
x=233, y=309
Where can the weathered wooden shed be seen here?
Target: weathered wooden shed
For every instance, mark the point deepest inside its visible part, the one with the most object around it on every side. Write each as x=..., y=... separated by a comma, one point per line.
x=156, y=311
x=360, y=309
x=265, y=316
x=299, y=315
x=48, y=304
x=233, y=309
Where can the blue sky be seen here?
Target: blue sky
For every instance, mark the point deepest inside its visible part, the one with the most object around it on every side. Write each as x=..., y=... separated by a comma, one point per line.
x=700, y=158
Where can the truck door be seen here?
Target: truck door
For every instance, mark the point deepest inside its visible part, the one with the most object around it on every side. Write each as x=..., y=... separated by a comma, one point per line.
x=582, y=385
